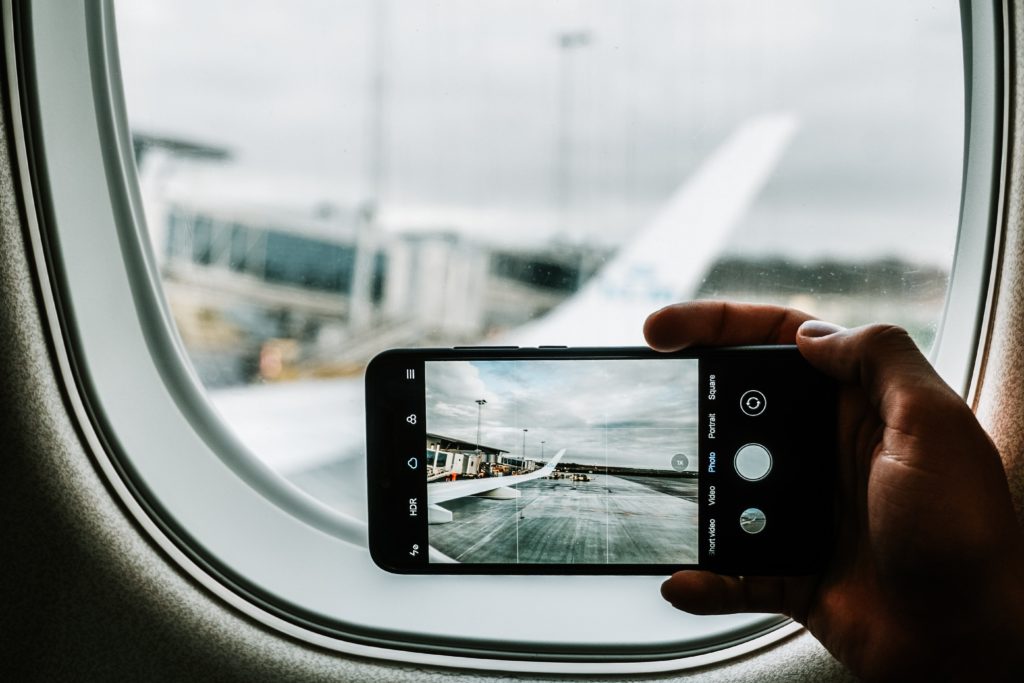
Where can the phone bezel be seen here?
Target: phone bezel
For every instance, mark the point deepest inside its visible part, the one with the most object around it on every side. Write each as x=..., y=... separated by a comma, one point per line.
x=383, y=471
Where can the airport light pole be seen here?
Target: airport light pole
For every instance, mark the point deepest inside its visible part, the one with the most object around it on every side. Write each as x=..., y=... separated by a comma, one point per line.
x=524, y=446
x=360, y=295
x=480, y=403
x=376, y=157
x=567, y=42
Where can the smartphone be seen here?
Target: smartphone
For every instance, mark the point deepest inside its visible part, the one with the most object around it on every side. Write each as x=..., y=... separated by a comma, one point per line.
x=554, y=460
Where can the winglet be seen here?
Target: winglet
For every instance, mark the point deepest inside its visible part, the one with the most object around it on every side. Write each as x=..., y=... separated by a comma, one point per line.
x=667, y=260
x=440, y=492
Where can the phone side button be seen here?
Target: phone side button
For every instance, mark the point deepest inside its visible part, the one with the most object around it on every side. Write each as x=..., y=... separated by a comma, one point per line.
x=483, y=348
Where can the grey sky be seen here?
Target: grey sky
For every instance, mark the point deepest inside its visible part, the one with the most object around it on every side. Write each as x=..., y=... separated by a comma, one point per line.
x=472, y=110
x=628, y=413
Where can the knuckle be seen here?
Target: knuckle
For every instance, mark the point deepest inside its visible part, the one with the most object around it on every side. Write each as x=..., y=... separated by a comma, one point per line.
x=915, y=398
x=927, y=410
x=884, y=337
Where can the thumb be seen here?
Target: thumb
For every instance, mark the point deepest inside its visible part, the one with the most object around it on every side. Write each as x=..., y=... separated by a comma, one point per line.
x=704, y=592
x=881, y=359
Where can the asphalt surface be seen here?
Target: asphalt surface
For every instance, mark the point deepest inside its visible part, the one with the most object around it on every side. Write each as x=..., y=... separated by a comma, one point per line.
x=611, y=519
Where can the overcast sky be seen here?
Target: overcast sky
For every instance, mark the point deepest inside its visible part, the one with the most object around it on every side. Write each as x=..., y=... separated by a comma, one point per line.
x=625, y=413
x=471, y=111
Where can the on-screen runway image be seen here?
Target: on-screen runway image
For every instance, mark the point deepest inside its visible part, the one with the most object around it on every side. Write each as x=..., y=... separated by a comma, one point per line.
x=592, y=461
x=609, y=519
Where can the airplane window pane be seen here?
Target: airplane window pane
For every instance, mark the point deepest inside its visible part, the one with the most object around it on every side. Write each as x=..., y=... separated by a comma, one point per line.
x=326, y=180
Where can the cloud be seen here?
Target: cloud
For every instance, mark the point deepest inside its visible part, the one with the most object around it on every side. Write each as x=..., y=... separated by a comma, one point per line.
x=621, y=412
x=471, y=109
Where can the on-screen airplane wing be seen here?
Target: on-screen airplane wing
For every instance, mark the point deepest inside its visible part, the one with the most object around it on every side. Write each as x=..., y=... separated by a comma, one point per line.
x=439, y=492
x=665, y=262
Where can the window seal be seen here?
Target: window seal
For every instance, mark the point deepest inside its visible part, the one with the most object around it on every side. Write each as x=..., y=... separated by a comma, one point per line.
x=974, y=277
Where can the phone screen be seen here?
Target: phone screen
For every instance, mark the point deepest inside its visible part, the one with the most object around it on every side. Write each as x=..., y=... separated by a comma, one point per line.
x=593, y=461
x=553, y=462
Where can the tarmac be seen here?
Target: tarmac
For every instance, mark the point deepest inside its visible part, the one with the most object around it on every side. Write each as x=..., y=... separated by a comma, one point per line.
x=610, y=519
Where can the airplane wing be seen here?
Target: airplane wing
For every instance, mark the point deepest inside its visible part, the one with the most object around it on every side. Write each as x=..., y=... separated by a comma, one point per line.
x=301, y=426
x=666, y=261
x=444, y=491
x=296, y=426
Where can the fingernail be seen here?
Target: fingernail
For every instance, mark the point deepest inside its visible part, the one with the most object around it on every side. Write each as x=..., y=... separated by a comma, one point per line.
x=818, y=328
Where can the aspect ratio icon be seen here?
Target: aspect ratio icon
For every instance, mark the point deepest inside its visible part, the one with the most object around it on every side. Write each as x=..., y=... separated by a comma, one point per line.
x=752, y=402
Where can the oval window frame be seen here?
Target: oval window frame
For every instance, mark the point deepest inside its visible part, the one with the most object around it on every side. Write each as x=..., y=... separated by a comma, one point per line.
x=69, y=57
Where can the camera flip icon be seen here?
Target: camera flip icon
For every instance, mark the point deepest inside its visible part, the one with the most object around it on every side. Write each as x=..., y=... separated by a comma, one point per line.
x=753, y=403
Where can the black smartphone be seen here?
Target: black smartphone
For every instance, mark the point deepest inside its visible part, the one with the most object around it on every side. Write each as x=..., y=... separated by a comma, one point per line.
x=554, y=460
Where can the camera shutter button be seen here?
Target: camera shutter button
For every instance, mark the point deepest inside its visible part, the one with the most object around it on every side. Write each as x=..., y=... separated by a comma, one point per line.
x=753, y=462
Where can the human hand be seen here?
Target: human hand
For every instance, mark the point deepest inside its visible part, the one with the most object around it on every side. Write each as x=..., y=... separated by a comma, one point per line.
x=927, y=576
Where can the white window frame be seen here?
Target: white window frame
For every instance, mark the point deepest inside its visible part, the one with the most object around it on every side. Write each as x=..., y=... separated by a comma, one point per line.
x=245, y=533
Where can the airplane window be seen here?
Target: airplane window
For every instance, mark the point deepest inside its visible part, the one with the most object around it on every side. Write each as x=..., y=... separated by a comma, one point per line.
x=323, y=183
x=328, y=182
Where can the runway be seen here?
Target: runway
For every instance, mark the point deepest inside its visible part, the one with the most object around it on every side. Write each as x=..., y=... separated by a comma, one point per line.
x=611, y=519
